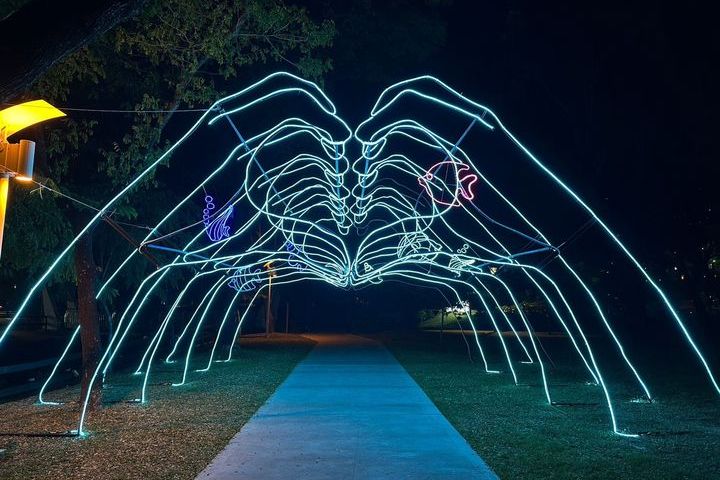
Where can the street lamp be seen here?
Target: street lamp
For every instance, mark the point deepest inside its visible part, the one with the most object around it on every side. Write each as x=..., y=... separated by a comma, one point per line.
x=17, y=160
x=268, y=314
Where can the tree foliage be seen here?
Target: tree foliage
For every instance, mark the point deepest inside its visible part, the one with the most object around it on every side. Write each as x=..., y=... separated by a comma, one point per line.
x=175, y=54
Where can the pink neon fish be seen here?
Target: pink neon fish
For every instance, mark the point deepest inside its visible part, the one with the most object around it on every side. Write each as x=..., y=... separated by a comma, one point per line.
x=448, y=181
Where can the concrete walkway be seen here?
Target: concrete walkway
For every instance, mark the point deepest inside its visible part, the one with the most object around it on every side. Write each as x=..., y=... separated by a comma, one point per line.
x=348, y=411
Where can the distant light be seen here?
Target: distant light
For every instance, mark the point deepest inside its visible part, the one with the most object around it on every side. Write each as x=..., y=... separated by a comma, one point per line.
x=22, y=178
x=462, y=307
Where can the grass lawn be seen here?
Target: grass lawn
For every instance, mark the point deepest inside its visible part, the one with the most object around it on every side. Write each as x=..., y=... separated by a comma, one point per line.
x=174, y=436
x=520, y=436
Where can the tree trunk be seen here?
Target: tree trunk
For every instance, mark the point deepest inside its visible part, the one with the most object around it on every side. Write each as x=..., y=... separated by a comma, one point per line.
x=86, y=272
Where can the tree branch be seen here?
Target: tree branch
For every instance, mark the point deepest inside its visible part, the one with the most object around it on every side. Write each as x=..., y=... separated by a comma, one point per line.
x=43, y=32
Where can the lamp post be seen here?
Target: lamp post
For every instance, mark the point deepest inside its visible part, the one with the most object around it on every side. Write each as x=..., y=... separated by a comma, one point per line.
x=4, y=187
x=268, y=314
x=17, y=160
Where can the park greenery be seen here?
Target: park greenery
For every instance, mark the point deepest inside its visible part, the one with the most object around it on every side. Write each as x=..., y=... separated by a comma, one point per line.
x=180, y=55
x=172, y=56
x=158, y=62
x=175, y=436
x=520, y=436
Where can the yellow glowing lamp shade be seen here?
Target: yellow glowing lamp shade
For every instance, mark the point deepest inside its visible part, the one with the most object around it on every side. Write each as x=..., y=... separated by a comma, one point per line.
x=18, y=117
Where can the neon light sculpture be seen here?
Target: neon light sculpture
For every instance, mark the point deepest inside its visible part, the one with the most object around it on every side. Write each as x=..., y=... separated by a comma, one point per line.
x=296, y=253
x=406, y=208
x=462, y=185
x=216, y=228
x=244, y=281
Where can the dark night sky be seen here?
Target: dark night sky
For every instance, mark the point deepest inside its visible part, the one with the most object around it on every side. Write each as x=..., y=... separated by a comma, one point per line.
x=619, y=100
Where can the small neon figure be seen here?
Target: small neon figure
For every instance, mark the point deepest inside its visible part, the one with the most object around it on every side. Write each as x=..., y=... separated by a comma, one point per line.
x=295, y=255
x=449, y=176
x=245, y=281
x=216, y=229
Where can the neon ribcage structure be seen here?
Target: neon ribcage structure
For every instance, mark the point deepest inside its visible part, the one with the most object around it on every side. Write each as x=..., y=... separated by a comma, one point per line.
x=431, y=189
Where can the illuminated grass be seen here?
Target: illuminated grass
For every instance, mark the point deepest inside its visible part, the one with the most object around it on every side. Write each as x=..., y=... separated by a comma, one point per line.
x=173, y=437
x=519, y=436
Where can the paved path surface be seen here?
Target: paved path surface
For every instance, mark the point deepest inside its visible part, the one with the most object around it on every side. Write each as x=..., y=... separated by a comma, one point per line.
x=348, y=411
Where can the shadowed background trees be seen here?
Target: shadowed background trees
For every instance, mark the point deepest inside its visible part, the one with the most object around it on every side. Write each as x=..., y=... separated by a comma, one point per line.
x=619, y=99
x=153, y=59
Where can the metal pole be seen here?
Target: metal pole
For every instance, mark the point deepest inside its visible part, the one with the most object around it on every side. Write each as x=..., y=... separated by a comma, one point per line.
x=287, y=317
x=4, y=186
x=239, y=318
x=269, y=303
x=121, y=231
x=442, y=323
